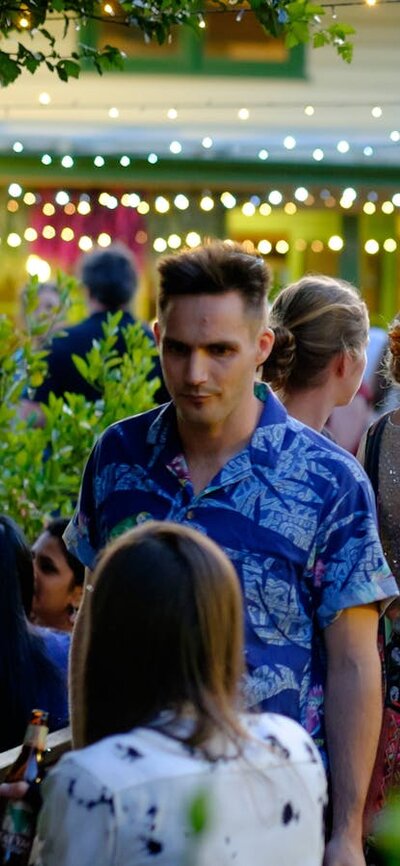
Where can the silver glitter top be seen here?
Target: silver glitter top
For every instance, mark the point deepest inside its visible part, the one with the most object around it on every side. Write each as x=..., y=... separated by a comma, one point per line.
x=389, y=495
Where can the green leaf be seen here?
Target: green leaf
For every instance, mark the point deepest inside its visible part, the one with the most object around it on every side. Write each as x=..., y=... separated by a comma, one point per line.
x=9, y=69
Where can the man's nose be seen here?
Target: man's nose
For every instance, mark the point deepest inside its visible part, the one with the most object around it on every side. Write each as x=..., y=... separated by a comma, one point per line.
x=196, y=371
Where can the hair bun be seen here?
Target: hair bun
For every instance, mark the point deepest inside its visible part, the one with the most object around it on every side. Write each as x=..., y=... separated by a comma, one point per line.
x=394, y=339
x=278, y=365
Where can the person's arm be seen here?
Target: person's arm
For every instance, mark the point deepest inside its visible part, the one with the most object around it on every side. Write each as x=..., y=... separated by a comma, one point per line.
x=353, y=710
x=77, y=659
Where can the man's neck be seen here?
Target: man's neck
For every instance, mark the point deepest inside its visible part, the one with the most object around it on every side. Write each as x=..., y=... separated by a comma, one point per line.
x=208, y=450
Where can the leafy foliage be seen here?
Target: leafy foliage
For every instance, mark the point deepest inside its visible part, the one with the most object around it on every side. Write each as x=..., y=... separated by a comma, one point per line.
x=41, y=466
x=299, y=21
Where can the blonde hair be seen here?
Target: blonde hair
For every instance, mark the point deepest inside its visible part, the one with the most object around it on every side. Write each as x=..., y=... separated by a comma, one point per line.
x=313, y=320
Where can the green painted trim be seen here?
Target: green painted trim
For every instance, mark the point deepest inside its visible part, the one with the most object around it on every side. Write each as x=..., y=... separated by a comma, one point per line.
x=189, y=59
x=199, y=174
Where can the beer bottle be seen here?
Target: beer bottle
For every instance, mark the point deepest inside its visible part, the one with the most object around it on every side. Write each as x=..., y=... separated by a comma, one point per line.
x=18, y=817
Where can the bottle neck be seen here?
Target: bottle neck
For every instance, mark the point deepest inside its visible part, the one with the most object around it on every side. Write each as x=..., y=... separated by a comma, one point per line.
x=35, y=736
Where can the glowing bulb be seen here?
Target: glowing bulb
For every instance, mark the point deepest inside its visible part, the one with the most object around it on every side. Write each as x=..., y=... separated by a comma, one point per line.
x=263, y=154
x=152, y=158
x=175, y=147
x=67, y=161
x=172, y=114
x=206, y=203
x=243, y=114
x=368, y=151
x=335, y=243
x=290, y=208
x=317, y=246
x=301, y=193
x=228, y=200
x=264, y=247
x=29, y=198
x=48, y=209
x=174, y=241
x=376, y=111
x=108, y=9
x=387, y=207
x=193, y=239
x=37, y=267
x=62, y=197
x=113, y=112
x=275, y=197
x=181, y=201
x=18, y=147
x=23, y=22
x=289, y=142
x=207, y=142
x=104, y=239
x=248, y=209
x=265, y=209
x=49, y=232
x=124, y=161
x=83, y=207
x=369, y=208
x=390, y=245
x=85, y=243
x=309, y=110
x=318, y=154
x=282, y=247
x=44, y=98
x=30, y=234
x=15, y=190
x=143, y=208
x=396, y=199
x=161, y=204
x=46, y=159
x=98, y=162
x=395, y=135
x=343, y=146
x=371, y=247
x=67, y=234
x=160, y=245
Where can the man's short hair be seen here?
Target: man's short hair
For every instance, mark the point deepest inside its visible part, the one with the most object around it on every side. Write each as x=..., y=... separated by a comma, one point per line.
x=110, y=275
x=214, y=269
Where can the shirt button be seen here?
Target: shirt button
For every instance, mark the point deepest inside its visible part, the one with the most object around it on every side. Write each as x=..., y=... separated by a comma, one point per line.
x=190, y=515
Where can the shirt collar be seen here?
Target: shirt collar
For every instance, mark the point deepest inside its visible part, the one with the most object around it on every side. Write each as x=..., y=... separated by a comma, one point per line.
x=263, y=449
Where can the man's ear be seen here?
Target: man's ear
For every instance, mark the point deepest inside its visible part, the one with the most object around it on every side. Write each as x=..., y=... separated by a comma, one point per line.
x=266, y=341
x=157, y=332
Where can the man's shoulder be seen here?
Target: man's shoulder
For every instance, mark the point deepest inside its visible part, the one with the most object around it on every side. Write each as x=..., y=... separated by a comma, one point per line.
x=134, y=428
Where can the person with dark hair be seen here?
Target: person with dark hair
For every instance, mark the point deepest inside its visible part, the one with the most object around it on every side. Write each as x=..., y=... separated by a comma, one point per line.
x=110, y=279
x=293, y=512
x=58, y=579
x=319, y=354
x=33, y=661
x=166, y=747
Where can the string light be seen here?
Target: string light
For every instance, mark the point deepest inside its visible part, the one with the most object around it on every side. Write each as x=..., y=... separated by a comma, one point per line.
x=175, y=147
x=264, y=247
x=193, y=239
x=30, y=234
x=161, y=204
x=289, y=142
x=282, y=247
x=67, y=161
x=376, y=111
x=83, y=207
x=390, y=245
x=263, y=154
x=172, y=114
x=160, y=245
x=275, y=197
x=207, y=142
x=85, y=243
x=243, y=114
x=371, y=247
x=335, y=243
x=228, y=200
x=108, y=9
x=44, y=98
x=99, y=161
x=318, y=154
x=181, y=201
x=124, y=161
x=309, y=110
x=152, y=158
x=206, y=203
x=248, y=209
x=46, y=159
x=343, y=146
x=18, y=147
x=265, y=209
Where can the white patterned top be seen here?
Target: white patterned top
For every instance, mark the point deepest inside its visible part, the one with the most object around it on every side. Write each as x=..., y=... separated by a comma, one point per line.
x=145, y=798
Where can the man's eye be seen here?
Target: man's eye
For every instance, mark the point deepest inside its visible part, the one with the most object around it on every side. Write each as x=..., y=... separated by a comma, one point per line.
x=176, y=349
x=221, y=351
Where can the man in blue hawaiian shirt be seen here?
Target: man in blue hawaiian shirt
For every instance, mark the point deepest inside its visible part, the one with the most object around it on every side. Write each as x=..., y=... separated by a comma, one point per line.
x=293, y=512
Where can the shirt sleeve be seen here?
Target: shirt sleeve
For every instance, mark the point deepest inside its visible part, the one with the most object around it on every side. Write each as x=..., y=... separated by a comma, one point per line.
x=77, y=821
x=349, y=567
x=81, y=536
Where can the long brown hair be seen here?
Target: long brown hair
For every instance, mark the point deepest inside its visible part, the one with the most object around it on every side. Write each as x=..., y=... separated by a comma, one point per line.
x=166, y=632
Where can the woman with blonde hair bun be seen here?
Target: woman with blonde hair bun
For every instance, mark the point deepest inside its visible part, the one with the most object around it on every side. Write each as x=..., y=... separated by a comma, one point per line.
x=318, y=359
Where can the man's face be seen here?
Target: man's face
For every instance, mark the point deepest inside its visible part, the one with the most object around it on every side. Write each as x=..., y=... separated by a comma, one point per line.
x=210, y=349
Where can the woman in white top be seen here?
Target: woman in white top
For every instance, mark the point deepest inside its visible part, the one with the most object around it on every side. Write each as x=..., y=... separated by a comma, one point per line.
x=171, y=774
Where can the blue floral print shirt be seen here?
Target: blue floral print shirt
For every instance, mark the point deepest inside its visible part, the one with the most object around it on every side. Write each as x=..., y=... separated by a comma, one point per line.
x=294, y=513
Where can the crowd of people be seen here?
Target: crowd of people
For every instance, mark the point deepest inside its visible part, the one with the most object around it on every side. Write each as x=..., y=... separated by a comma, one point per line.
x=225, y=659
